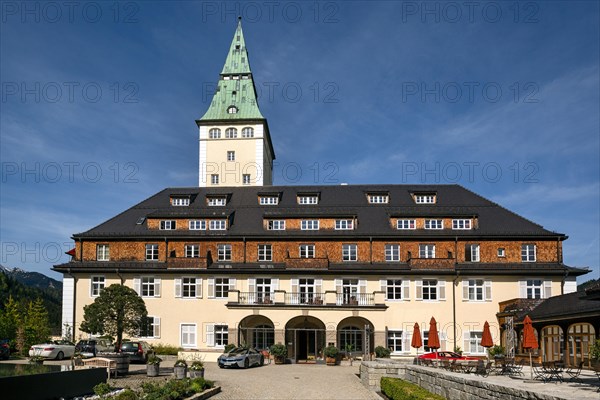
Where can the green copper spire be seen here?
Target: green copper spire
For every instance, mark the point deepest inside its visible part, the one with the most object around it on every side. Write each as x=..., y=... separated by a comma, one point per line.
x=235, y=97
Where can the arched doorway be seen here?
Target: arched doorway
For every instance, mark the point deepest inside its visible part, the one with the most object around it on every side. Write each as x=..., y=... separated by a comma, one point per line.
x=552, y=344
x=256, y=331
x=305, y=336
x=355, y=335
x=580, y=337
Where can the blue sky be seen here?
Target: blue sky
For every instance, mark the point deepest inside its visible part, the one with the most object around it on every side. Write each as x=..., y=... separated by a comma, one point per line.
x=98, y=102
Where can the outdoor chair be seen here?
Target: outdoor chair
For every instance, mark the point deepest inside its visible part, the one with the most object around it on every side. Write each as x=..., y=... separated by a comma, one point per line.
x=445, y=364
x=574, y=372
x=483, y=369
x=553, y=371
x=518, y=367
x=540, y=373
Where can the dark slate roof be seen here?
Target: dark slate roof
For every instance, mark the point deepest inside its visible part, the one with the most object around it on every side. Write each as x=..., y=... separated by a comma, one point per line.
x=567, y=306
x=246, y=215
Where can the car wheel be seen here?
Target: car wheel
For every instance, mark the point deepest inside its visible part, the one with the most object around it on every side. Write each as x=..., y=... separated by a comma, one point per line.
x=221, y=366
x=60, y=355
x=246, y=363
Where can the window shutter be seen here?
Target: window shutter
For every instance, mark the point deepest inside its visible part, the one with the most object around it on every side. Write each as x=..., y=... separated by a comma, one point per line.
x=419, y=289
x=523, y=289
x=211, y=288
x=137, y=285
x=319, y=285
x=252, y=290
x=156, y=332
x=467, y=342
x=487, y=286
x=465, y=284
x=442, y=341
x=405, y=289
x=362, y=286
x=232, y=282
x=468, y=252
x=406, y=337
x=547, y=289
x=198, y=288
x=274, y=284
x=338, y=286
x=156, y=287
x=295, y=296
x=383, y=285
x=442, y=290
x=177, y=287
x=210, y=335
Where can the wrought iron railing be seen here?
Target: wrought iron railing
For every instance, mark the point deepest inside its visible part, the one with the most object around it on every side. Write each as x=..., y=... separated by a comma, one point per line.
x=355, y=299
x=305, y=298
x=265, y=298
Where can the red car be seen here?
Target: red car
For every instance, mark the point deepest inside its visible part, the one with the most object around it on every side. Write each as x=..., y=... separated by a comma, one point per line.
x=446, y=355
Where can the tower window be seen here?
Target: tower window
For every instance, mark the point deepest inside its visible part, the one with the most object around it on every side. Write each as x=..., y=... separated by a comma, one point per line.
x=214, y=179
x=230, y=133
x=248, y=132
x=214, y=133
x=232, y=110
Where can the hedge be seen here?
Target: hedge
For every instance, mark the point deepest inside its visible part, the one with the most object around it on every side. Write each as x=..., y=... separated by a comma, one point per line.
x=397, y=389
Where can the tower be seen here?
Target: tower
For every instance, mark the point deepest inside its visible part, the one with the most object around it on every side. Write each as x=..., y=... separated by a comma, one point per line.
x=235, y=145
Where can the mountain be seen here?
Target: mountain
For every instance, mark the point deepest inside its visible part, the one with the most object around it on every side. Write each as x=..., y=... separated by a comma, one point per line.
x=32, y=279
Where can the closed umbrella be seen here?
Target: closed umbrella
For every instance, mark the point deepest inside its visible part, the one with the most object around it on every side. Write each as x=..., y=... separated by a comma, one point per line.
x=486, y=338
x=433, y=341
x=529, y=340
x=416, y=339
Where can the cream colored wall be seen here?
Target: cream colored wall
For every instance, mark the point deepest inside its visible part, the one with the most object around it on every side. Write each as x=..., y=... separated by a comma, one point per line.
x=400, y=315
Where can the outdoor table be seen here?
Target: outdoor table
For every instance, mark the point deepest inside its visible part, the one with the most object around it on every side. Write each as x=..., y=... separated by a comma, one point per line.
x=553, y=370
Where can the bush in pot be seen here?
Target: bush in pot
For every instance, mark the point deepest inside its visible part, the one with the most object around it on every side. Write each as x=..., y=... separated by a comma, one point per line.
x=331, y=353
x=595, y=353
x=279, y=352
x=497, y=351
x=153, y=365
x=197, y=369
x=180, y=369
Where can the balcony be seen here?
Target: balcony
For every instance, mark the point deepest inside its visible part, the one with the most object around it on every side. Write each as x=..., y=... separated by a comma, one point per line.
x=187, y=262
x=256, y=298
x=431, y=263
x=307, y=263
x=355, y=299
x=328, y=299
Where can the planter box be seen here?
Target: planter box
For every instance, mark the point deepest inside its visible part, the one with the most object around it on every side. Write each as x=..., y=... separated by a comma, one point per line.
x=180, y=372
x=196, y=374
x=152, y=369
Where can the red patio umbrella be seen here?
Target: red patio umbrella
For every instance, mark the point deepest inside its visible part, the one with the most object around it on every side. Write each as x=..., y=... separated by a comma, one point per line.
x=433, y=341
x=486, y=337
x=416, y=338
x=529, y=340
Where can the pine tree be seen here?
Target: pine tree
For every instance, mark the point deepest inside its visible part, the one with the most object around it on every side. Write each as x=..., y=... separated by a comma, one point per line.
x=35, y=325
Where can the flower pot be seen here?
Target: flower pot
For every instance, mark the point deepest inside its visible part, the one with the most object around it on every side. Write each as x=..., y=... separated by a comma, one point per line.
x=152, y=369
x=279, y=360
x=180, y=372
x=196, y=373
x=330, y=360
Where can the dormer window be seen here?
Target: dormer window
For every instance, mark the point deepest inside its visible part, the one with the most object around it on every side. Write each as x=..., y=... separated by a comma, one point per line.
x=424, y=198
x=167, y=225
x=461, y=224
x=216, y=201
x=269, y=200
x=308, y=199
x=378, y=198
x=232, y=110
x=434, y=224
x=230, y=133
x=344, y=224
x=309, y=225
x=180, y=201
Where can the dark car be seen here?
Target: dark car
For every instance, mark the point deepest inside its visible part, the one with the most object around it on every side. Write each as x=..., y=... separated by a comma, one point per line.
x=4, y=350
x=138, y=351
x=241, y=357
x=91, y=347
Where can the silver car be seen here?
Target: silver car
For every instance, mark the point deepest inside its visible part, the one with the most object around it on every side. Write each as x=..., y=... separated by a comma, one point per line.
x=241, y=357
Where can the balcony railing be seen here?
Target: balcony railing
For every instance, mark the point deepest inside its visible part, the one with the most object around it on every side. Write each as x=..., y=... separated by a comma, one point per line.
x=262, y=298
x=328, y=298
x=355, y=299
x=309, y=299
x=432, y=263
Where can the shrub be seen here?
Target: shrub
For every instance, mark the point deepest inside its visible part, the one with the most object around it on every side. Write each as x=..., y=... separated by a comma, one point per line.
x=180, y=363
x=165, y=349
x=103, y=388
x=382, y=352
x=331, y=351
x=595, y=350
x=174, y=389
x=126, y=394
x=397, y=389
x=153, y=360
x=197, y=366
x=229, y=347
x=278, y=350
x=496, y=351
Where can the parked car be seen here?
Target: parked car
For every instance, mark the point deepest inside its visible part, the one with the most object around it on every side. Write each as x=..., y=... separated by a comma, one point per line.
x=137, y=350
x=57, y=349
x=241, y=357
x=4, y=350
x=445, y=356
x=91, y=347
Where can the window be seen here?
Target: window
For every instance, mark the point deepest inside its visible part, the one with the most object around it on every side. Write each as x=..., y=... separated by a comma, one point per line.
x=307, y=251
x=394, y=341
x=248, y=132
x=217, y=201
x=167, y=225
x=264, y=337
x=534, y=288
x=97, y=285
x=151, y=328
x=150, y=286
x=151, y=252
x=309, y=224
x=231, y=156
x=192, y=250
x=406, y=224
x=102, y=252
x=190, y=287
x=351, y=336
x=197, y=225
x=501, y=252
x=461, y=224
x=392, y=252
x=224, y=251
x=222, y=288
x=312, y=199
x=395, y=289
x=424, y=198
x=214, y=133
x=214, y=179
x=378, y=198
x=218, y=225
x=344, y=224
x=276, y=225
x=180, y=201
x=221, y=335
x=269, y=200
x=188, y=335
x=472, y=252
x=427, y=251
x=473, y=290
x=473, y=345
x=434, y=224
x=246, y=179
x=430, y=289
x=265, y=252
x=349, y=252
x=232, y=110
x=528, y=252
x=230, y=133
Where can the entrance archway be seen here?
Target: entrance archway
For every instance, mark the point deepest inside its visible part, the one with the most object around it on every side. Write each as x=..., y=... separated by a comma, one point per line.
x=256, y=331
x=552, y=343
x=355, y=335
x=305, y=337
x=580, y=337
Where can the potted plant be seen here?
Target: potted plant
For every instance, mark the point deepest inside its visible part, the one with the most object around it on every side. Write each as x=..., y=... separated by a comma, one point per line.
x=496, y=351
x=279, y=352
x=331, y=353
x=349, y=348
x=595, y=354
x=180, y=369
x=153, y=365
x=197, y=369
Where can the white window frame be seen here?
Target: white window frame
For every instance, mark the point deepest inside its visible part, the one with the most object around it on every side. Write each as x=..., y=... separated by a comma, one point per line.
x=473, y=251
x=192, y=284
x=477, y=290
x=378, y=198
x=155, y=327
x=214, y=133
x=230, y=155
x=269, y=200
x=405, y=224
x=146, y=283
x=528, y=252
x=344, y=224
x=426, y=250
x=246, y=179
x=401, y=284
x=224, y=251
x=265, y=252
x=308, y=199
x=306, y=251
x=197, y=225
x=501, y=252
x=180, y=201
x=231, y=133
x=193, y=332
x=152, y=251
x=349, y=252
x=168, y=225
x=398, y=338
x=222, y=285
x=425, y=198
x=461, y=224
x=276, y=225
x=192, y=250
x=392, y=252
x=216, y=201
x=472, y=343
x=221, y=335
x=309, y=224
x=103, y=252
x=440, y=291
x=97, y=283
x=434, y=224
x=214, y=179
x=247, y=132
x=218, y=225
